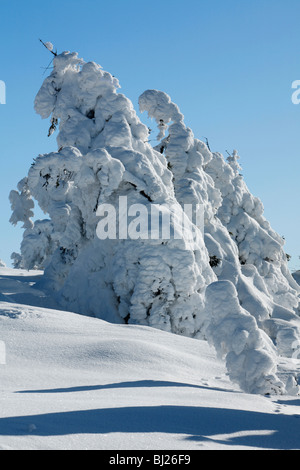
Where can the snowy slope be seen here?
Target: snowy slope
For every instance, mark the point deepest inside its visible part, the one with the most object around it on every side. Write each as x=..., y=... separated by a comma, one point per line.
x=76, y=382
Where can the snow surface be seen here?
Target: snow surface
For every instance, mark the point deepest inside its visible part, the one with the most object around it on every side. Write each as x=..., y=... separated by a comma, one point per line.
x=77, y=382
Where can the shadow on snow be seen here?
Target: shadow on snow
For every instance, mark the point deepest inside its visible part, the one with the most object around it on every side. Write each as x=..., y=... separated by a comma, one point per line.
x=199, y=424
x=132, y=384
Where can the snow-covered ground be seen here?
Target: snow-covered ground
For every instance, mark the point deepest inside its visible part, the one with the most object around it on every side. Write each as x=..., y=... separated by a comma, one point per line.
x=75, y=382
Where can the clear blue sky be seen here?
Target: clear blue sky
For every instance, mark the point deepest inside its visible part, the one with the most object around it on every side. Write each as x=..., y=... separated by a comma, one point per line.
x=228, y=64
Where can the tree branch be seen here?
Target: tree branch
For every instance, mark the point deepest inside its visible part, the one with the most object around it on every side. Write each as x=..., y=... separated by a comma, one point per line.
x=52, y=52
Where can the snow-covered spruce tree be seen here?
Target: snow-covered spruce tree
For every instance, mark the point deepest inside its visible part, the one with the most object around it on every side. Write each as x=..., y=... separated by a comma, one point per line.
x=258, y=244
x=263, y=260
x=103, y=156
x=233, y=220
x=242, y=246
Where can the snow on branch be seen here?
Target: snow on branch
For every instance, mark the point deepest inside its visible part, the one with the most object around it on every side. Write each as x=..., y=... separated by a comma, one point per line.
x=49, y=46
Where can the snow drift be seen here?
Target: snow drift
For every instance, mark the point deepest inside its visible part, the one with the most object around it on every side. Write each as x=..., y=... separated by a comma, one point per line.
x=231, y=287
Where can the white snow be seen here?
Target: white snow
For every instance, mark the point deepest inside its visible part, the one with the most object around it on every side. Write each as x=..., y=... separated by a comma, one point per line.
x=49, y=46
x=76, y=382
x=230, y=287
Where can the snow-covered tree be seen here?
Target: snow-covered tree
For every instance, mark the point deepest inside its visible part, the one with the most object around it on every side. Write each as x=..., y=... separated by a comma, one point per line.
x=242, y=247
x=231, y=286
x=103, y=155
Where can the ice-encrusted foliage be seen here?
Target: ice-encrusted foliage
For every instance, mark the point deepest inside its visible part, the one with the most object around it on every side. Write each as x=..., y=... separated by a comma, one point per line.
x=232, y=286
x=22, y=205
